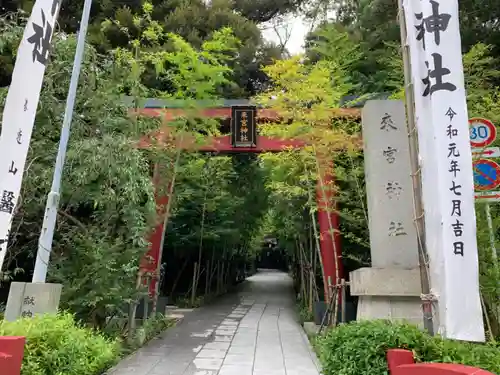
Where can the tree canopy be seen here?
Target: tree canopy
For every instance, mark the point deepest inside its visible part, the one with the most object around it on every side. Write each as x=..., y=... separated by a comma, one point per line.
x=115, y=24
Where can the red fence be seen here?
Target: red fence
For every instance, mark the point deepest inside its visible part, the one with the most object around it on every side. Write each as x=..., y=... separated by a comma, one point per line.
x=11, y=355
x=401, y=362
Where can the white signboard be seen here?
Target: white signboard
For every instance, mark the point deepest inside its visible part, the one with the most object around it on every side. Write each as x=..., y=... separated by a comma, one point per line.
x=488, y=196
x=20, y=109
x=446, y=161
x=488, y=152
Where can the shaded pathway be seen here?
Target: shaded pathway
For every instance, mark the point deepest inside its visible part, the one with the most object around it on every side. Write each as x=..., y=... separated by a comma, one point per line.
x=251, y=332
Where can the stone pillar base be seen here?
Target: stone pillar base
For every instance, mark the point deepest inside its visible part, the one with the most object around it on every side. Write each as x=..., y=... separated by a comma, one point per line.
x=29, y=299
x=407, y=309
x=388, y=293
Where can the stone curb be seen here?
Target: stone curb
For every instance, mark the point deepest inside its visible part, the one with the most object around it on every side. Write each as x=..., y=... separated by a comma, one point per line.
x=178, y=320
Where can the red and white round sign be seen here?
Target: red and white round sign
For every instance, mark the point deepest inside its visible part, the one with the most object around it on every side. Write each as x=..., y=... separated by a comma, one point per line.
x=482, y=132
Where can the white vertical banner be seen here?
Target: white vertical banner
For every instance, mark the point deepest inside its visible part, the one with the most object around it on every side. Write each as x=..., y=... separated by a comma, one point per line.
x=446, y=160
x=20, y=109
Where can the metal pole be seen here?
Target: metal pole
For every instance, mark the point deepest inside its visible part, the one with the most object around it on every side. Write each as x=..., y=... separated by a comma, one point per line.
x=416, y=177
x=494, y=254
x=49, y=220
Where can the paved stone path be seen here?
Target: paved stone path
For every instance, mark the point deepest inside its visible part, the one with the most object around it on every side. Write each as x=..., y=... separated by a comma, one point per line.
x=250, y=332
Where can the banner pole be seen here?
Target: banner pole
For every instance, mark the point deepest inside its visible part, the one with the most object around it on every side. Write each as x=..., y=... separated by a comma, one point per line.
x=416, y=177
x=49, y=220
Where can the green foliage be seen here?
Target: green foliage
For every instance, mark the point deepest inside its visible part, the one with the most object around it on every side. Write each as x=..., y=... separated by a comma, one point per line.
x=56, y=344
x=360, y=348
x=107, y=203
x=483, y=101
x=265, y=10
x=373, y=26
x=304, y=314
x=169, y=64
x=107, y=206
x=114, y=24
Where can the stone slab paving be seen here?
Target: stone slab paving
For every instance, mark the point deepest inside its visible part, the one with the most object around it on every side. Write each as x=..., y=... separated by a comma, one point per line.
x=250, y=332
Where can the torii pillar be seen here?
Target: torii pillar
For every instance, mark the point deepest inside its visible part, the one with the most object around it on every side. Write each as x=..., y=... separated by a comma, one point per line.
x=328, y=219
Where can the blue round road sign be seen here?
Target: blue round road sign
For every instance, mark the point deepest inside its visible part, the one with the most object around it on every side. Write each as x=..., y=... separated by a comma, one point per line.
x=486, y=174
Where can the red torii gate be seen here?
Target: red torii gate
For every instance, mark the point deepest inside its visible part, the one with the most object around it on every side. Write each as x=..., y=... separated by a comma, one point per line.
x=330, y=248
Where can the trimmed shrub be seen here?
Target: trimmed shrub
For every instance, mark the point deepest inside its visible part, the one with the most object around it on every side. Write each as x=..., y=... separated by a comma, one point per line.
x=57, y=345
x=360, y=348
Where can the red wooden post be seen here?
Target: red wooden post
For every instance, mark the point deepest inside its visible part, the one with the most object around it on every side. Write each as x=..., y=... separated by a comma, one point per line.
x=11, y=354
x=401, y=362
x=327, y=214
x=151, y=260
x=399, y=357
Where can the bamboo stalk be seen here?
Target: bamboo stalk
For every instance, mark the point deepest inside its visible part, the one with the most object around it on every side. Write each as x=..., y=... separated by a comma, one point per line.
x=336, y=304
x=316, y=237
x=313, y=271
x=342, y=299
x=207, y=276
x=193, y=290
x=301, y=270
x=315, y=230
x=165, y=223
x=487, y=318
x=213, y=267
x=223, y=277
x=178, y=277
x=311, y=281
x=200, y=247
x=217, y=281
x=305, y=273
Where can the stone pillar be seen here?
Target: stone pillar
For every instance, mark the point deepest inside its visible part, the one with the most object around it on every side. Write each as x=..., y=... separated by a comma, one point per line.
x=390, y=288
x=28, y=299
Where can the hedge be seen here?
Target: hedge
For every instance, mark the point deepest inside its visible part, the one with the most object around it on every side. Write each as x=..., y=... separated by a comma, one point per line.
x=360, y=348
x=57, y=345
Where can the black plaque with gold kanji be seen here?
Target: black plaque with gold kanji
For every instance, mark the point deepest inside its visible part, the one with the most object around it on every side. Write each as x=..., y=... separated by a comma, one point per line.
x=243, y=126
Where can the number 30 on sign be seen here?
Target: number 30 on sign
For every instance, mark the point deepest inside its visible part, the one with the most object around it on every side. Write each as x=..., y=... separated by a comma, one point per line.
x=482, y=132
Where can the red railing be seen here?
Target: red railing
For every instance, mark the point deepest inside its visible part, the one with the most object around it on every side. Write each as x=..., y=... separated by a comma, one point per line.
x=11, y=355
x=401, y=362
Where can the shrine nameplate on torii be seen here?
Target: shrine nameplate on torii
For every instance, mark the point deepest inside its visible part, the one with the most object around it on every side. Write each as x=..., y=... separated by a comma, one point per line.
x=243, y=126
